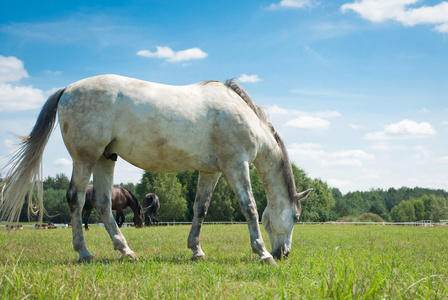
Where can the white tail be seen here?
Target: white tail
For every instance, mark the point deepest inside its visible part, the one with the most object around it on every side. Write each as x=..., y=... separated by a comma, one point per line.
x=25, y=170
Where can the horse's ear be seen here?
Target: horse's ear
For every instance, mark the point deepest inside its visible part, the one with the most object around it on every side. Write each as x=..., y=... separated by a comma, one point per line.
x=303, y=195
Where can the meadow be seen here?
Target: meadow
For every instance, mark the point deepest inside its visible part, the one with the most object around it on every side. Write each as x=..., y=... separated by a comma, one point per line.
x=326, y=262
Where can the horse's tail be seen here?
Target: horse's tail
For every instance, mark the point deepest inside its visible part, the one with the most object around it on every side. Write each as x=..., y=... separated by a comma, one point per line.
x=25, y=166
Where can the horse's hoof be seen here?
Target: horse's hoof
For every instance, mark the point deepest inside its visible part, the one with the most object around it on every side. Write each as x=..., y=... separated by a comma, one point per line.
x=270, y=261
x=131, y=256
x=86, y=259
x=198, y=257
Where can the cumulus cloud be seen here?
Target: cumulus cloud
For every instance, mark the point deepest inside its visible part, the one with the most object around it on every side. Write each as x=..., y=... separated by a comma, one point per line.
x=244, y=78
x=174, y=56
x=351, y=158
x=400, y=11
x=444, y=159
x=309, y=122
x=11, y=69
x=304, y=120
x=13, y=96
x=291, y=4
x=403, y=129
x=62, y=162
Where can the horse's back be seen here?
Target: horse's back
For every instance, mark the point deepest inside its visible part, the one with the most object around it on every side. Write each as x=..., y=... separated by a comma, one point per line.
x=157, y=127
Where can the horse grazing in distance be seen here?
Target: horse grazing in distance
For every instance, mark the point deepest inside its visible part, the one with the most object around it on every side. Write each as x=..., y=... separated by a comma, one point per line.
x=209, y=126
x=121, y=199
x=151, y=206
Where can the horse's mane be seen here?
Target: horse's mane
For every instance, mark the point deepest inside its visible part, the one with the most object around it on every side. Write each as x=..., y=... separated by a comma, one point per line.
x=262, y=115
x=133, y=198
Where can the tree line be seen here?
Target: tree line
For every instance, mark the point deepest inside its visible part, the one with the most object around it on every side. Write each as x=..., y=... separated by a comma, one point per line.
x=177, y=192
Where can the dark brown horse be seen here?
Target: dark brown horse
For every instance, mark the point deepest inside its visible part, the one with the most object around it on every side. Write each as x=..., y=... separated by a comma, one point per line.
x=121, y=199
x=150, y=208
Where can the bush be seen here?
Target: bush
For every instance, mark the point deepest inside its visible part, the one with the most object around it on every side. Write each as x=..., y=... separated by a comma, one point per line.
x=370, y=217
x=349, y=219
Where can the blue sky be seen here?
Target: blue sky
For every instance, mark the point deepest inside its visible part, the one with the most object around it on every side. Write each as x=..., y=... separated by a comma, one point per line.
x=358, y=90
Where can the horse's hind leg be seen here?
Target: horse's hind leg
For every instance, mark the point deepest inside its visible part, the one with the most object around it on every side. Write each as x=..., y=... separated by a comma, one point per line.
x=76, y=196
x=102, y=183
x=206, y=186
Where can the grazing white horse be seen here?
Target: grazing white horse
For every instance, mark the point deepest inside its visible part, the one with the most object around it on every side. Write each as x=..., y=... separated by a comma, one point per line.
x=209, y=126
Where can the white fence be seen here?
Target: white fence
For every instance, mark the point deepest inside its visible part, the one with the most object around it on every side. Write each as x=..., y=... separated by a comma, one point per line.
x=175, y=223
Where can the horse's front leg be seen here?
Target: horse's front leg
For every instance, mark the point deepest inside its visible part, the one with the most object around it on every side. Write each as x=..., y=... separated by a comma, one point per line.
x=240, y=181
x=120, y=217
x=206, y=186
x=102, y=183
x=76, y=199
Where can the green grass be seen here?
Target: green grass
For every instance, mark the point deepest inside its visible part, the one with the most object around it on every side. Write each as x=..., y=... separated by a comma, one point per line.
x=326, y=262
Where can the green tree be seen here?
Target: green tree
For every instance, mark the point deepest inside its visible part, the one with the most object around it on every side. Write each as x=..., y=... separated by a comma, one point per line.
x=435, y=207
x=419, y=209
x=317, y=206
x=222, y=204
x=189, y=181
x=403, y=212
x=56, y=207
x=173, y=205
x=60, y=182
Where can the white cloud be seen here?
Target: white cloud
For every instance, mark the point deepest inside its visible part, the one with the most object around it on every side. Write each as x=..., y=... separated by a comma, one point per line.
x=277, y=110
x=62, y=162
x=15, y=97
x=355, y=126
x=309, y=122
x=339, y=183
x=174, y=56
x=357, y=154
x=307, y=151
x=291, y=4
x=444, y=159
x=399, y=10
x=304, y=120
x=249, y=78
x=403, y=129
x=11, y=69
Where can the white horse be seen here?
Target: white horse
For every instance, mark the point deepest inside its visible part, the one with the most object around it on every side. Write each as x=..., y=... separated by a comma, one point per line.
x=209, y=126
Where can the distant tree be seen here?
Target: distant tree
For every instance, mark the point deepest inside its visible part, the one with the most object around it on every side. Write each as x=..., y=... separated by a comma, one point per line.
x=223, y=203
x=379, y=209
x=419, y=209
x=56, y=207
x=317, y=206
x=173, y=205
x=60, y=182
x=189, y=181
x=435, y=207
x=403, y=212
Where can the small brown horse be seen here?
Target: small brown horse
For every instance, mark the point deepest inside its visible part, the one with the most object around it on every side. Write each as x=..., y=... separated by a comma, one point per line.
x=121, y=198
x=150, y=208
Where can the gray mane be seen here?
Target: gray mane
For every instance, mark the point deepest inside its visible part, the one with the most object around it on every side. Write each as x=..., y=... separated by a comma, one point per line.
x=285, y=165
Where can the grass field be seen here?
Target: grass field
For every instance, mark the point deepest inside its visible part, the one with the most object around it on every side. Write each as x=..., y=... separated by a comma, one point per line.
x=326, y=262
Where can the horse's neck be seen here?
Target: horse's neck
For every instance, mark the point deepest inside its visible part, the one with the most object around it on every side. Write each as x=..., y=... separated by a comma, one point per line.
x=270, y=167
x=131, y=203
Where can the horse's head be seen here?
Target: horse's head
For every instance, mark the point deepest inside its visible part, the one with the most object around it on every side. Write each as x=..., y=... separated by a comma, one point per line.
x=138, y=220
x=278, y=221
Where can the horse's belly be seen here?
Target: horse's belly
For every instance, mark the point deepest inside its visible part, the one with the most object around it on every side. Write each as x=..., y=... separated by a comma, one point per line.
x=164, y=158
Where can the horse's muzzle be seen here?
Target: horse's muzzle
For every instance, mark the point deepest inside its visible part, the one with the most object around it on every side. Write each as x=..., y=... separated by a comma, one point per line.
x=280, y=253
